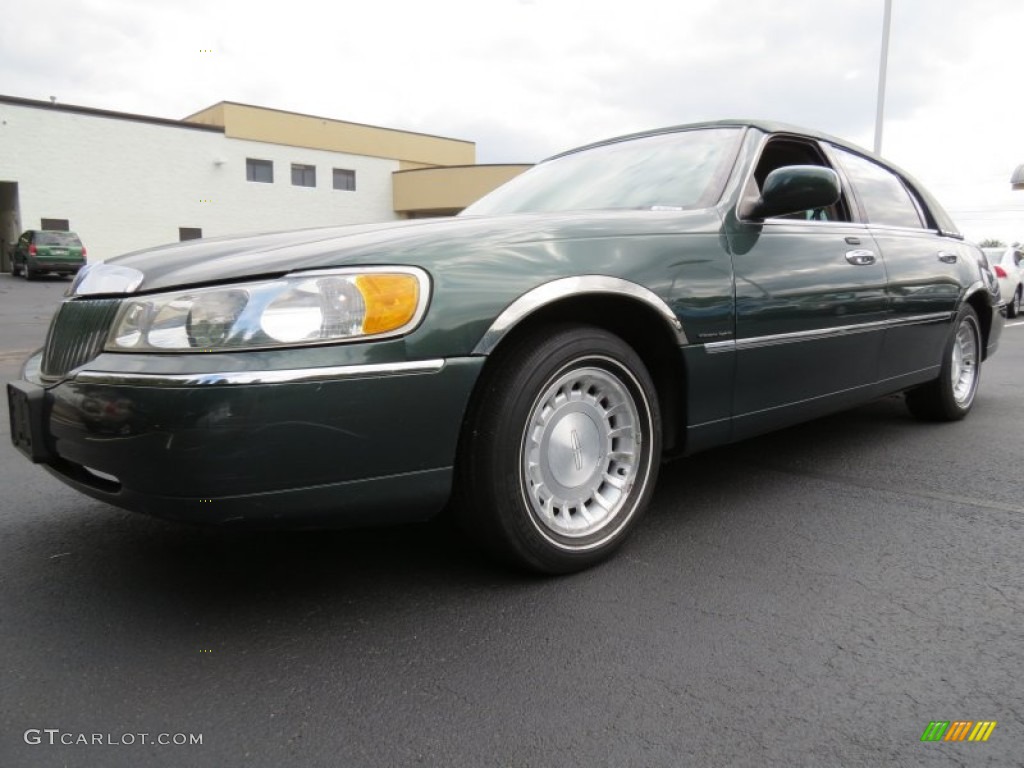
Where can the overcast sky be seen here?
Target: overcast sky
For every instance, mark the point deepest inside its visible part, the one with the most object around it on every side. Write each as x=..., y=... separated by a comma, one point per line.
x=527, y=78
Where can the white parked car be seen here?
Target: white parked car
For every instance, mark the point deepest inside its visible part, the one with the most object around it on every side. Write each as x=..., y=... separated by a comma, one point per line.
x=1008, y=266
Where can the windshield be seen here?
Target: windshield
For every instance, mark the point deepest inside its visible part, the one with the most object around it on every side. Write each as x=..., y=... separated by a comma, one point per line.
x=57, y=238
x=674, y=171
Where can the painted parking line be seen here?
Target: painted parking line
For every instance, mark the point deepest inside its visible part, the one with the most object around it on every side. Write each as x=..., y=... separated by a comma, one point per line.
x=1018, y=324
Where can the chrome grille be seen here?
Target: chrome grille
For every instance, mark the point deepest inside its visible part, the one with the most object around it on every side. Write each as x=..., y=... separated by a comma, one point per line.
x=77, y=333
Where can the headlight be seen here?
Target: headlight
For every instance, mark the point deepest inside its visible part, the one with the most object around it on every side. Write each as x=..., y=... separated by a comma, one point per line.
x=305, y=308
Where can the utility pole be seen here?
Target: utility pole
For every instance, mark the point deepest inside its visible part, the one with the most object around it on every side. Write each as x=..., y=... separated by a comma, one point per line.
x=882, y=67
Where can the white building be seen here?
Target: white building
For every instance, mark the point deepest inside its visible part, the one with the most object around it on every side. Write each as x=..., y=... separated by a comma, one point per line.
x=125, y=182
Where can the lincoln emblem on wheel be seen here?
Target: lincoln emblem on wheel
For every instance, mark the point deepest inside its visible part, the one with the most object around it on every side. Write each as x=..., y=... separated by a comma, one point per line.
x=577, y=451
x=528, y=366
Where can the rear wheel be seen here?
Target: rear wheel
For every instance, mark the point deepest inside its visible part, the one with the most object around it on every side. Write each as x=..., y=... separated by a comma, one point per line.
x=1014, y=309
x=561, y=448
x=15, y=269
x=951, y=396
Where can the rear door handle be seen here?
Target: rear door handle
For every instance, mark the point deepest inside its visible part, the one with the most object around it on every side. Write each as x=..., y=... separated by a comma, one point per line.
x=860, y=258
x=947, y=258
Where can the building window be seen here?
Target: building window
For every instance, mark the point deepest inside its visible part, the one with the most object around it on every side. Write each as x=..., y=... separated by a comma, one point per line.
x=259, y=170
x=189, y=233
x=60, y=225
x=344, y=179
x=303, y=175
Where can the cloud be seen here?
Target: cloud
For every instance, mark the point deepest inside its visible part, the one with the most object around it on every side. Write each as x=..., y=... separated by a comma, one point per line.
x=527, y=79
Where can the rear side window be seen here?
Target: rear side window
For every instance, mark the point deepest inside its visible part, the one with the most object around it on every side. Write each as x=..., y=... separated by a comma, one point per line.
x=885, y=199
x=57, y=238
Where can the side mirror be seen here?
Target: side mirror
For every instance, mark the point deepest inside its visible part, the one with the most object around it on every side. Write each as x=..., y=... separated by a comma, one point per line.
x=792, y=189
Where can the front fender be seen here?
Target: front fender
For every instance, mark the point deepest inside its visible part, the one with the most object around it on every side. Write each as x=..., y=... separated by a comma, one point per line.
x=567, y=287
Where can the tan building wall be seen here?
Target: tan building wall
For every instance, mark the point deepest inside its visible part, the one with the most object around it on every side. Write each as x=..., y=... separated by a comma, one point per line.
x=445, y=191
x=243, y=121
x=437, y=176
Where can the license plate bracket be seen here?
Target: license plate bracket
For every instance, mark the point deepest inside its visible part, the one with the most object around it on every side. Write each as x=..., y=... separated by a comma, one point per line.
x=26, y=403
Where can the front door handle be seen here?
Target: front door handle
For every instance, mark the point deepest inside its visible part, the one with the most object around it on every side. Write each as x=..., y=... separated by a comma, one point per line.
x=947, y=258
x=860, y=257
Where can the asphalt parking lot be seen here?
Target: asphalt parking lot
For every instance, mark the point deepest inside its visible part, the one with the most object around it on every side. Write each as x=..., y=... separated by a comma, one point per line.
x=814, y=597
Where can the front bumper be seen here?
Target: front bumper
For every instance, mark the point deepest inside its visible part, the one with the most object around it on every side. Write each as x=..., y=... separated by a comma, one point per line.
x=327, y=446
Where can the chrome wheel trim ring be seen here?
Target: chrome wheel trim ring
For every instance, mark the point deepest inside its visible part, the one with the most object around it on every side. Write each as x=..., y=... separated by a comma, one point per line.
x=582, y=453
x=964, y=369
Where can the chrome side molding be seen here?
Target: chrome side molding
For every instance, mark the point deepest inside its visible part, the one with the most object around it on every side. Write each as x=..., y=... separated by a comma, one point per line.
x=286, y=376
x=735, y=345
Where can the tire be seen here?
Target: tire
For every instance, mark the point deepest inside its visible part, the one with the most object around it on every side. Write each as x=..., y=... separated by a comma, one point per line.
x=14, y=269
x=27, y=272
x=560, y=449
x=951, y=396
x=1014, y=307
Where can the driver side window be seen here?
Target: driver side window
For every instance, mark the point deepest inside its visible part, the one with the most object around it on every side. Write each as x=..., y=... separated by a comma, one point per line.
x=781, y=152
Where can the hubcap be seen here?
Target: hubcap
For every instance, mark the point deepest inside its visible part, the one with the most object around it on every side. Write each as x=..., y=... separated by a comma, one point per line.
x=581, y=451
x=964, y=370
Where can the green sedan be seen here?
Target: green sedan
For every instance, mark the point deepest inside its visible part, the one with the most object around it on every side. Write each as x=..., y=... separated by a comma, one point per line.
x=529, y=364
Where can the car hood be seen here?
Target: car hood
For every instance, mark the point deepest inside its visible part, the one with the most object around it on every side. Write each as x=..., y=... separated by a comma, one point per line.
x=418, y=242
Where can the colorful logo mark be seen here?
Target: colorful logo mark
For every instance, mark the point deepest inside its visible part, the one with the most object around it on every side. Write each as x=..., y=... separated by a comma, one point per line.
x=958, y=730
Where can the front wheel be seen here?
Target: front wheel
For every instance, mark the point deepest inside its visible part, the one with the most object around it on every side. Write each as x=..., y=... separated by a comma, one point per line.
x=560, y=451
x=950, y=397
x=1014, y=307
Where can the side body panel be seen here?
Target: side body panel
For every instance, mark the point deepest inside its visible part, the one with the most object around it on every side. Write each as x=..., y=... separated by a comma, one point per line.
x=808, y=321
x=926, y=282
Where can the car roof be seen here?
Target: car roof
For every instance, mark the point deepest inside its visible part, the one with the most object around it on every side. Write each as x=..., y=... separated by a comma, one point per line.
x=765, y=126
x=943, y=219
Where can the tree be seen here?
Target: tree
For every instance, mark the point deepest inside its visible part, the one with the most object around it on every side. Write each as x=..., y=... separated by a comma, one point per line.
x=992, y=243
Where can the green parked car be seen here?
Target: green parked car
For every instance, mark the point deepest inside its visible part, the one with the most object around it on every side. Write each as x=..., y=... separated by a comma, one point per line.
x=529, y=364
x=43, y=250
